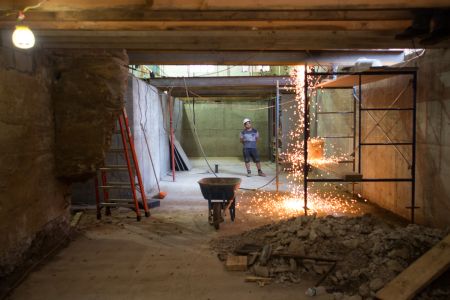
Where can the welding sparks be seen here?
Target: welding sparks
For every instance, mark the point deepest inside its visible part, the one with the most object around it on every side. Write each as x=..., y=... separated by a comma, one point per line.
x=284, y=205
x=273, y=205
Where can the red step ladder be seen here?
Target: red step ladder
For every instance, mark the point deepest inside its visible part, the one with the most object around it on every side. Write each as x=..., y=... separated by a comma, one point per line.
x=132, y=167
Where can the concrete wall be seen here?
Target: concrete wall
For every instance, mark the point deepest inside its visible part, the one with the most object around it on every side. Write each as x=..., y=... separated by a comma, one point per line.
x=34, y=205
x=433, y=143
x=218, y=127
x=150, y=109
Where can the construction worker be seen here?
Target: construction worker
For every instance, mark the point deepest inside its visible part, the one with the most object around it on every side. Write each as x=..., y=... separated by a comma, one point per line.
x=249, y=136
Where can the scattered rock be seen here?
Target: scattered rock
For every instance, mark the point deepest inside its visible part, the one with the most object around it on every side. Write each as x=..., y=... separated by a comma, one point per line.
x=352, y=243
x=296, y=246
x=369, y=252
x=293, y=265
x=302, y=233
x=402, y=253
x=262, y=271
x=265, y=254
x=312, y=235
x=376, y=284
x=364, y=290
x=282, y=269
x=394, y=266
x=320, y=269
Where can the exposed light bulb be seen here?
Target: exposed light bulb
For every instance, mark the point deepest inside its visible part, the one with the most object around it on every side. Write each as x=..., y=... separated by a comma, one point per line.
x=23, y=37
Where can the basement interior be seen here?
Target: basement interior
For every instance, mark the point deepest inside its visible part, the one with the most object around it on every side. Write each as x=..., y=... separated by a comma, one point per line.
x=216, y=150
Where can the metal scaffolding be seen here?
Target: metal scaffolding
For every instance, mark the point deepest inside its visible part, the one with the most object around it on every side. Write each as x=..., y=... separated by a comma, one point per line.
x=350, y=80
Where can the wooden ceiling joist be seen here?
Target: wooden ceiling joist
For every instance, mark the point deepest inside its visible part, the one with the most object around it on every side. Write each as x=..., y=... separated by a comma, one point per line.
x=275, y=58
x=224, y=5
x=216, y=25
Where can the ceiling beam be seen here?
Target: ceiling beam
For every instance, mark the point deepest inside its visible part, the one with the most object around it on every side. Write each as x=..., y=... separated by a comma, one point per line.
x=275, y=58
x=225, y=98
x=397, y=25
x=223, y=5
x=222, y=82
x=224, y=40
x=217, y=25
x=189, y=15
x=262, y=87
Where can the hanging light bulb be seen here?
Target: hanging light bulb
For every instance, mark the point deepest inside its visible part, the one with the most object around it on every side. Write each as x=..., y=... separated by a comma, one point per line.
x=23, y=37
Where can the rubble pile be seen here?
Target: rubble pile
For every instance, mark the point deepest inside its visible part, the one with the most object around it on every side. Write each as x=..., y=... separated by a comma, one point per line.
x=350, y=256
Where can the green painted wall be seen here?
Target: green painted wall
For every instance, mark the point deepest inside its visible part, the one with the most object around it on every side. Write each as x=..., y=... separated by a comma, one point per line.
x=218, y=126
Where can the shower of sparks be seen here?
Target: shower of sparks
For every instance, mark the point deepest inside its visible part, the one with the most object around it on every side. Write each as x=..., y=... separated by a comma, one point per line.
x=271, y=205
x=284, y=205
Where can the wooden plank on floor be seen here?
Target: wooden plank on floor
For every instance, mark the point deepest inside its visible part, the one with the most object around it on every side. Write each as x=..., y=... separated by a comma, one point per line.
x=236, y=263
x=419, y=274
x=257, y=278
x=76, y=218
x=179, y=164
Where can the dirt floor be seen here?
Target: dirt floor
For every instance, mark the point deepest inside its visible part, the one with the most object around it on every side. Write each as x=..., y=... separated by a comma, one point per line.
x=169, y=255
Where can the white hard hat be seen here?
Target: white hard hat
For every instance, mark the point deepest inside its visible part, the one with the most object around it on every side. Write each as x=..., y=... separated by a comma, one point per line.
x=246, y=120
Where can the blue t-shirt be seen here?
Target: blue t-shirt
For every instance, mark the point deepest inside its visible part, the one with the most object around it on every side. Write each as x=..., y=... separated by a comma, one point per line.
x=249, y=137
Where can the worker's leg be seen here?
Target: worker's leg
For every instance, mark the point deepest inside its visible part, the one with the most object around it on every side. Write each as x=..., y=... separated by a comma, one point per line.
x=260, y=172
x=247, y=161
x=255, y=156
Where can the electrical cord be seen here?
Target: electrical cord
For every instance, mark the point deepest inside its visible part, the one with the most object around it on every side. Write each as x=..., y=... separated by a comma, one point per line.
x=258, y=188
x=25, y=9
x=195, y=132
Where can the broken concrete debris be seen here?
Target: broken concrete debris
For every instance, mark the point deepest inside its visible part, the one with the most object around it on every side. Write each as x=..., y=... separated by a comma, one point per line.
x=350, y=257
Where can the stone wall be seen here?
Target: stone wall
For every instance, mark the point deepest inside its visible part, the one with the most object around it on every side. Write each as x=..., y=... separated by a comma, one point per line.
x=433, y=142
x=56, y=119
x=88, y=93
x=32, y=201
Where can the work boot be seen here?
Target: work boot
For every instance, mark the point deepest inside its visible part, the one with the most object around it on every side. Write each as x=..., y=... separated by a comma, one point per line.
x=261, y=173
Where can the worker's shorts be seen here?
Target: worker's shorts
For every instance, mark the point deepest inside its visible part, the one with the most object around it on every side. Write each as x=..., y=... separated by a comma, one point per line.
x=251, y=153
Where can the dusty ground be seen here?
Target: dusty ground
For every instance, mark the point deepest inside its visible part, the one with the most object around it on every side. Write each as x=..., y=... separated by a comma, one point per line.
x=166, y=256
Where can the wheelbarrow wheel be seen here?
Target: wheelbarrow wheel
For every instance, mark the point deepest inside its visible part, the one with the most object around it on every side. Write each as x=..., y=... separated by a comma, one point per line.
x=217, y=207
x=233, y=211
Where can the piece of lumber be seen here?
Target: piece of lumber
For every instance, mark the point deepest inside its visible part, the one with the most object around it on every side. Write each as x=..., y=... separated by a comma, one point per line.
x=295, y=255
x=419, y=274
x=247, y=249
x=76, y=218
x=182, y=155
x=236, y=263
x=257, y=278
